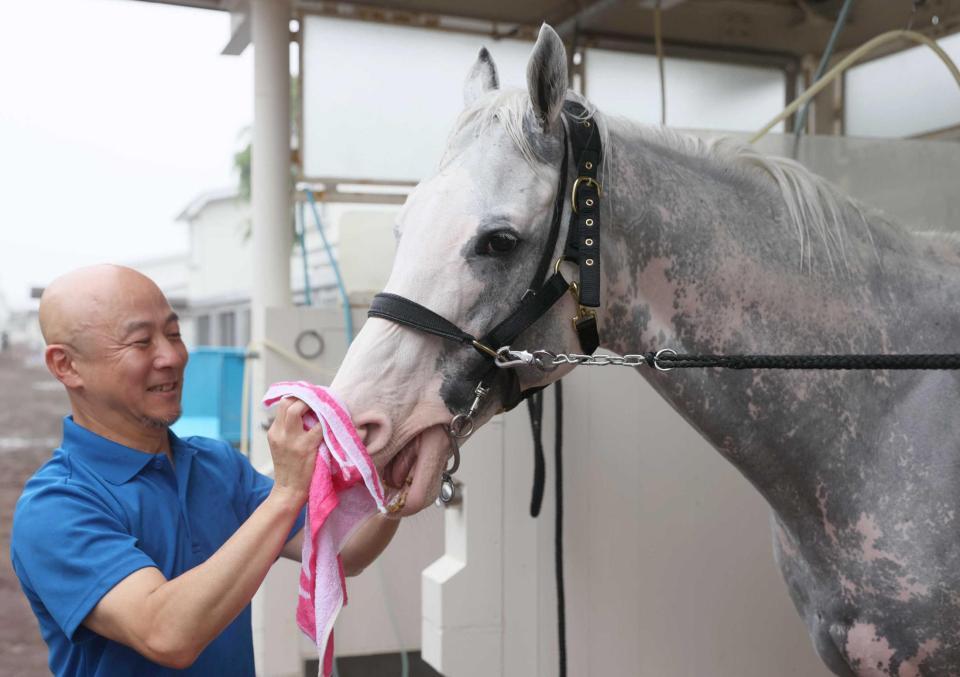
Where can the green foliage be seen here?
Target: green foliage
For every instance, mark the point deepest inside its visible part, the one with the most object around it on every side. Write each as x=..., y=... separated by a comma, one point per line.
x=242, y=158
x=241, y=163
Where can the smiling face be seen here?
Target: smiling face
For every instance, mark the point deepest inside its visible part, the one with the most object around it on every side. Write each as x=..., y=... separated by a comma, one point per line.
x=133, y=369
x=120, y=351
x=470, y=239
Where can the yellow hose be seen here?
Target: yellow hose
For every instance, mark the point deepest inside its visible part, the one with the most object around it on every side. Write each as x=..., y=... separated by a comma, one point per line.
x=848, y=61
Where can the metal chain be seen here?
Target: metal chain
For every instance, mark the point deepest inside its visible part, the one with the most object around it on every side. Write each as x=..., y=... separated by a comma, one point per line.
x=600, y=360
x=544, y=360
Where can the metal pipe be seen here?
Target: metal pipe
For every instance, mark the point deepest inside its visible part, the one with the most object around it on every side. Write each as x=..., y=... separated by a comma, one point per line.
x=801, y=119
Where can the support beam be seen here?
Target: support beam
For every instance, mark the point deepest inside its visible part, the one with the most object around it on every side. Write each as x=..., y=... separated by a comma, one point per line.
x=240, y=35
x=275, y=645
x=567, y=25
x=270, y=168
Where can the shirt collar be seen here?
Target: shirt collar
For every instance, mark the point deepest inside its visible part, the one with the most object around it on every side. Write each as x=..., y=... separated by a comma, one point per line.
x=111, y=460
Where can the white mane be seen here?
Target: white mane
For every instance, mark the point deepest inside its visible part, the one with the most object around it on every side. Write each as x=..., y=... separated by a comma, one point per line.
x=815, y=209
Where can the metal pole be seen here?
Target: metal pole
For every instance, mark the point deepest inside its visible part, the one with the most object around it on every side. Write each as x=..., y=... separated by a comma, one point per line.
x=274, y=634
x=270, y=167
x=801, y=119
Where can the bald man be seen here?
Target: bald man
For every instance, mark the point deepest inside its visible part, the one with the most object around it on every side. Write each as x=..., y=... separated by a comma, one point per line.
x=138, y=551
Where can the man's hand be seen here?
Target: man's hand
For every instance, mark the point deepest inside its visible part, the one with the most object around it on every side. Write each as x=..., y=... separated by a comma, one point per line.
x=294, y=450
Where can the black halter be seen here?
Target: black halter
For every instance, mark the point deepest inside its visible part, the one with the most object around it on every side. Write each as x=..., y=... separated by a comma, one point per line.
x=582, y=247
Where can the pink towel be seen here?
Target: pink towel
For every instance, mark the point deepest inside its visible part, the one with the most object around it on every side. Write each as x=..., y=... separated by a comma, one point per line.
x=344, y=492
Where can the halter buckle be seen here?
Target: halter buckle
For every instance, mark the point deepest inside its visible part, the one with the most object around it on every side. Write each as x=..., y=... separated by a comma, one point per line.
x=590, y=181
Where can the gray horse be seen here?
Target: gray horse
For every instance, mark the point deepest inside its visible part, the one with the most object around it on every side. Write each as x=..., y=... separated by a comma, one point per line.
x=707, y=248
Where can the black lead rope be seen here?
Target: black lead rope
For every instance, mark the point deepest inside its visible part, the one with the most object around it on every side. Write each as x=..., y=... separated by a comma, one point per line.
x=558, y=531
x=668, y=360
x=535, y=407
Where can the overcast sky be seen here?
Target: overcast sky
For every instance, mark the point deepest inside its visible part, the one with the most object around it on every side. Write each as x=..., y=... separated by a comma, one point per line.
x=114, y=114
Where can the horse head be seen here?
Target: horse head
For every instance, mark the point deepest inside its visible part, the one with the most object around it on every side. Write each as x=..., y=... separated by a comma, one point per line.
x=470, y=239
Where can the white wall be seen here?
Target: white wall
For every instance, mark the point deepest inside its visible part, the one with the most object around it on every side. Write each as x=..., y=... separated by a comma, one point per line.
x=700, y=95
x=903, y=94
x=220, y=251
x=378, y=101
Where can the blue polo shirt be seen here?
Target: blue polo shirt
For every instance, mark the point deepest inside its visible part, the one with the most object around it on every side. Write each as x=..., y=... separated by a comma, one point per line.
x=98, y=511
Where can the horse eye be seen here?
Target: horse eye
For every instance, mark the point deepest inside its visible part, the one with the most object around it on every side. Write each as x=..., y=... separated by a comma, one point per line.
x=497, y=243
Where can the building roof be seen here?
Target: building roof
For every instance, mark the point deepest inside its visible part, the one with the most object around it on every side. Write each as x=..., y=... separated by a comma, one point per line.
x=197, y=204
x=772, y=28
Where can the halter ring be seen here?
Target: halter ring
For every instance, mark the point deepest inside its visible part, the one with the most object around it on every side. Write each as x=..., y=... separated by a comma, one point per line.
x=461, y=426
x=656, y=358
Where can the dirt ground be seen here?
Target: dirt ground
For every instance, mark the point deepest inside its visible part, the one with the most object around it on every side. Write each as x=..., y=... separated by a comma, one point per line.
x=32, y=405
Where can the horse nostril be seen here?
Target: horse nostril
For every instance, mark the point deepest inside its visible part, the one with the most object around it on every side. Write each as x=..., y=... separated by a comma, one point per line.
x=374, y=429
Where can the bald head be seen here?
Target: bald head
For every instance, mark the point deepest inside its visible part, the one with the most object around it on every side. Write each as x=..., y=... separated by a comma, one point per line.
x=114, y=343
x=86, y=301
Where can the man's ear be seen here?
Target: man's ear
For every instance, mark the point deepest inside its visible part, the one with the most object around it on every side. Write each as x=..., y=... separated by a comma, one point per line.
x=60, y=363
x=547, y=77
x=481, y=79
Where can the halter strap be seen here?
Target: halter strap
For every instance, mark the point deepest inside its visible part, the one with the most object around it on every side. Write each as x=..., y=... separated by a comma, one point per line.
x=583, y=236
x=411, y=314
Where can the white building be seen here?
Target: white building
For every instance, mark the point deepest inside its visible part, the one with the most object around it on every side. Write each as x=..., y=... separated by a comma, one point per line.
x=216, y=287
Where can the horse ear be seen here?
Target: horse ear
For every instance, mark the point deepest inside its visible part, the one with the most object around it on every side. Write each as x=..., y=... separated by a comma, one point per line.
x=481, y=79
x=547, y=76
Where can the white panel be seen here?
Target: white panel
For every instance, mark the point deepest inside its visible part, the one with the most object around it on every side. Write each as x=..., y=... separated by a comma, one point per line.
x=699, y=95
x=903, y=94
x=885, y=174
x=379, y=101
x=624, y=84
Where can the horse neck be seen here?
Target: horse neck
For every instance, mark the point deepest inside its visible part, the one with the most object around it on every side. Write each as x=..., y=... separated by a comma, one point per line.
x=701, y=253
x=702, y=258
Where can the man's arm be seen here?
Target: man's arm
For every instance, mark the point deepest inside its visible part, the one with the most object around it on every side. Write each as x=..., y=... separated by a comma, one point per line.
x=171, y=621
x=293, y=549
x=364, y=546
x=367, y=543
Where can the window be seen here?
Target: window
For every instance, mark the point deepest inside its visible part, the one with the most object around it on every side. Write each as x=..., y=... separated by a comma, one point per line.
x=203, y=330
x=227, y=325
x=245, y=333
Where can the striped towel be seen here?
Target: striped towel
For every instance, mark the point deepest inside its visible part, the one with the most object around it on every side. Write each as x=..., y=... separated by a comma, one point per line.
x=344, y=492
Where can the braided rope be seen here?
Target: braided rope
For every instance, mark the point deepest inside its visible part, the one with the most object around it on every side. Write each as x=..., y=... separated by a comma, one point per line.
x=920, y=361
